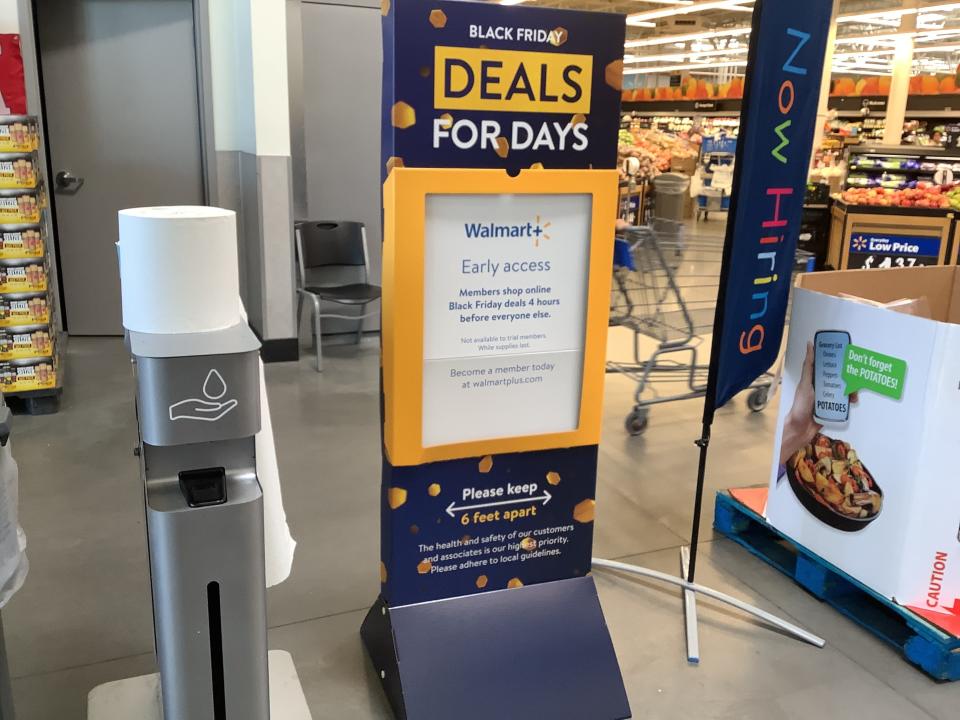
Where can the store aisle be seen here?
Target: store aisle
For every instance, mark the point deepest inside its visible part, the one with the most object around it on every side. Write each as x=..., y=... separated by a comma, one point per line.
x=83, y=617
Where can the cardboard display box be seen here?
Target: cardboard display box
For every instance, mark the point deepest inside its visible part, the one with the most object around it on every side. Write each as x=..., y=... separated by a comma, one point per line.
x=868, y=481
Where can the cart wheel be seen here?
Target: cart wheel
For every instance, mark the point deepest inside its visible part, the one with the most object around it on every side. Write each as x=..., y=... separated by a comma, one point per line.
x=758, y=398
x=637, y=422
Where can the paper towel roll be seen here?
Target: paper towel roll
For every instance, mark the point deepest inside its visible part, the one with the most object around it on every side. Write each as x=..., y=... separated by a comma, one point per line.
x=178, y=269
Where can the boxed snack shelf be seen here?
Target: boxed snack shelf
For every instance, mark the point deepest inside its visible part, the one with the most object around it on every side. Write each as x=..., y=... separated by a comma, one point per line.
x=21, y=242
x=31, y=344
x=18, y=133
x=25, y=309
x=19, y=171
x=869, y=237
x=40, y=376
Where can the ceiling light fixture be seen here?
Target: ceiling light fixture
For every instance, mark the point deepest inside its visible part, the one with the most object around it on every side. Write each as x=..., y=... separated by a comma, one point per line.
x=672, y=39
x=634, y=18
x=880, y=15
x=680, y=57
x=685, y=66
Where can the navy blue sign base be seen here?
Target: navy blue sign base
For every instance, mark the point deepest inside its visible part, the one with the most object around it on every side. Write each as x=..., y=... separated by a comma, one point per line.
x=540, y=651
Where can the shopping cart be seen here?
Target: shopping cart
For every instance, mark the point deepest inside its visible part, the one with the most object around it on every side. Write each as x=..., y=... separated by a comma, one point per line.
x=666, y=290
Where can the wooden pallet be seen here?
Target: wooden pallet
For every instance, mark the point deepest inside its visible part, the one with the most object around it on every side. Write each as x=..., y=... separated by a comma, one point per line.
x=34, y=402
x=935, y=651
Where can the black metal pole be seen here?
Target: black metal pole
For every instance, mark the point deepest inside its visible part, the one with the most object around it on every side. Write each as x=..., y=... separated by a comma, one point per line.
x=704, y=444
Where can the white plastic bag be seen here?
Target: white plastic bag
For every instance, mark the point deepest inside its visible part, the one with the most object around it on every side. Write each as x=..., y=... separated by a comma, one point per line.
x=13, y=542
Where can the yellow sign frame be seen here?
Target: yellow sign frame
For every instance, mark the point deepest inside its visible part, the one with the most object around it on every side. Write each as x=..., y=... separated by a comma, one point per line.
x=404, y=198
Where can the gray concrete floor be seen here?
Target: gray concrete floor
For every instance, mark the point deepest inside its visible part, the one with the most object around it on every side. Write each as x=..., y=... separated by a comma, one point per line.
x=83, y=617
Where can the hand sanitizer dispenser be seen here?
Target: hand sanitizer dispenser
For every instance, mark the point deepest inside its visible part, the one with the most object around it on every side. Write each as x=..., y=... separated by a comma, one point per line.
x=198, y=410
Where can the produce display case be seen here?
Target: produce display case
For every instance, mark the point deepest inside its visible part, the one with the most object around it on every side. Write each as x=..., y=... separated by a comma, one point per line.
x=866, y=236
x=901, y=167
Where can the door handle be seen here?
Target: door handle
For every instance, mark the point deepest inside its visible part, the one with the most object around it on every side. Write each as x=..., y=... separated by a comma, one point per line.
x=67, y=182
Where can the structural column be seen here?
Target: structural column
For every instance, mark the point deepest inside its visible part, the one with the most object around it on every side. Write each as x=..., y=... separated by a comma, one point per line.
x=826, y=83
x=900, y=82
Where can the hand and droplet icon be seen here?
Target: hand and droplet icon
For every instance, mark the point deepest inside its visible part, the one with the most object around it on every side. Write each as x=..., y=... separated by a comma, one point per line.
x=210, y=409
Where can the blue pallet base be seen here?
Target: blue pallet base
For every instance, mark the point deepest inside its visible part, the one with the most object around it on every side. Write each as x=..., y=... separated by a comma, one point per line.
x=934, y=651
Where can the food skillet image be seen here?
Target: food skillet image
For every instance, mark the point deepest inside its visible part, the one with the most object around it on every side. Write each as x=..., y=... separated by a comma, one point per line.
x=832, y=483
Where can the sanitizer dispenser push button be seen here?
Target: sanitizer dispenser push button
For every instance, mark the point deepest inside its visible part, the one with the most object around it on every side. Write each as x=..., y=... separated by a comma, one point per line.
x=204, y=487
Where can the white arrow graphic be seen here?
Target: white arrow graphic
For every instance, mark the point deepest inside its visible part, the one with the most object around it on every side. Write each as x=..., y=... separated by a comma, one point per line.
x=546, y=497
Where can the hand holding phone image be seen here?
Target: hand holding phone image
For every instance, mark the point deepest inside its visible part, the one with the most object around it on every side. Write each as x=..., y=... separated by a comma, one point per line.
x=800, y=426
x=803, y=423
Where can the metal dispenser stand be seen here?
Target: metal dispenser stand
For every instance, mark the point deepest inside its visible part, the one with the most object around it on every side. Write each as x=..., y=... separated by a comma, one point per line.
x=198, y=408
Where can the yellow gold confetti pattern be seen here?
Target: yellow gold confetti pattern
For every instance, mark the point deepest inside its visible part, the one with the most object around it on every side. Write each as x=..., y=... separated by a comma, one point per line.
x=414, y=529
x=585, y=511
x=613, y=75
x=559, y=36
x=578, y=119
x=394, y=162
x=396, y=497
x=528, y=544
x=482, y=582
x=425, y=71
x=403, y=115
x=438, y=18
x=486, y=463
x=553, y=478
x=433, y=490
x=424, y=567
x=384, y=7
x=446, y=121
x=537, y=166
x=515, y=583
x=383, y=572
x=503, y=146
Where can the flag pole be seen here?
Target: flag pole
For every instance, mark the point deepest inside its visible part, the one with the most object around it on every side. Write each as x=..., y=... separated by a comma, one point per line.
x=704, y=444
x=688, y=555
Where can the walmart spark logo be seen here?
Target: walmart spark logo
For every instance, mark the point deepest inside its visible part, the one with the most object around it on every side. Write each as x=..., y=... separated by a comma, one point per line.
x=859, y=243
x=536, y=230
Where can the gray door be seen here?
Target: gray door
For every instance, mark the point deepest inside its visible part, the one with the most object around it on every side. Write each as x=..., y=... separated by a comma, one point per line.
x=343, y=148
x=120, y=90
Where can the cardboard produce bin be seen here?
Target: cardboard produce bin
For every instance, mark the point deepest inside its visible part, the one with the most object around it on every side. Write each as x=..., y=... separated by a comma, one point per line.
x=684, y=164
x=868, y=482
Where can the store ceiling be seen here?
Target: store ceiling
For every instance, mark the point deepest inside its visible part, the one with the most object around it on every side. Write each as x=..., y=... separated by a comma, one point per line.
x=676, y=36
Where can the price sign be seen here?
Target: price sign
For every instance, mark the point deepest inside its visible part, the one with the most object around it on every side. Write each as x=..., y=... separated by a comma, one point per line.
x=868, y=251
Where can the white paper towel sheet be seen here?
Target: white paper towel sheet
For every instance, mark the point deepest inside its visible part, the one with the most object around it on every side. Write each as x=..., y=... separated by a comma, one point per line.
x=278, y=544
x=178, y=269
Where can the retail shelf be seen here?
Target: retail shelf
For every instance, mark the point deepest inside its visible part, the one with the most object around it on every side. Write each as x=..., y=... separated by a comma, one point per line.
x=44, y=401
